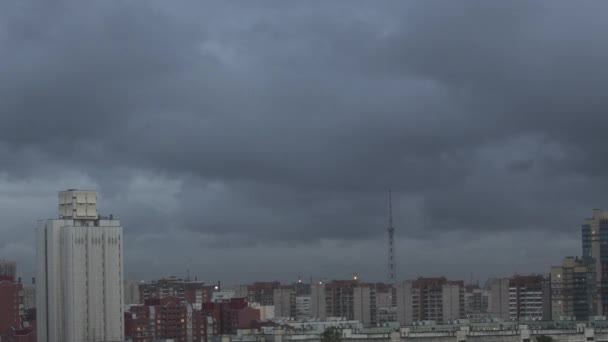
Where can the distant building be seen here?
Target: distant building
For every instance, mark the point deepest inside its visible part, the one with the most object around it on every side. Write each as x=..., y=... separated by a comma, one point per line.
x=79, y=284
x=529, y=298
x=498, y=300
x=186, y=291
x=8, y=270
x=303, y=307
x=284, y=300
x=476, y=302
x=230, y=315
x=386, y=301
x=132, y=292
x=166, y=319
x=595, y=256
x=520, y=298
x=222, y=295
x=351, y=300
x=29, y=296
x=571, y=290
x=430, y=299
x=11, y=306
x=267, y=312
x=262, y=292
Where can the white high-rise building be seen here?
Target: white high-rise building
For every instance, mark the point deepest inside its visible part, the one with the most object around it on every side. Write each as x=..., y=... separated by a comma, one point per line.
x=79, y=283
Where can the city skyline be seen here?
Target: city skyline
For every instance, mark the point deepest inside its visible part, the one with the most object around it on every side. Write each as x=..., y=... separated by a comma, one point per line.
x=269, y=135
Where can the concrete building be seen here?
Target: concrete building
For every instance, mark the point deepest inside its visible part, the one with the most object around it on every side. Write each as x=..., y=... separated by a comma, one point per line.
x=364, y=307
x=222, y=295
x=595, y=256
x=346, y=299
x=29, y=296
x=476, y=302
x=405, y=314
x=284, y=299
x=571, y=290
x=303, y=307
x=79, y=282
x=498, y=300
x=187, y=291
x=165, y=319
x=318, y=306
x=262, y=292
x=430, y=332
x=132, y=292
x=385, y=303
x=8, y=270
x=528, y=299
x=267, y=312
x=430, y=299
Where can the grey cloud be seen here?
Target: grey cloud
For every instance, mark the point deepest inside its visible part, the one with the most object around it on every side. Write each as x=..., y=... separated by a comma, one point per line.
x=285, y=125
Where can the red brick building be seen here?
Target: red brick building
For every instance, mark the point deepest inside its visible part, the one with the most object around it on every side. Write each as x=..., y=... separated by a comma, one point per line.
x=230, y=315
x=166, y=318
x=11, y=306
x=22, y=335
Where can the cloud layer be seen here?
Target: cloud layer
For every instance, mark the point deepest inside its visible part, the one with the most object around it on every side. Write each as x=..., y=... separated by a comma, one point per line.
x=238, y=136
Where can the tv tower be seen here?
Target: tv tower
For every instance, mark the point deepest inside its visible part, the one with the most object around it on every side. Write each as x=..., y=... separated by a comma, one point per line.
x=391, y=240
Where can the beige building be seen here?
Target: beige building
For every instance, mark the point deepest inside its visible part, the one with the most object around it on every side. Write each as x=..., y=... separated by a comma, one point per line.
x=284, y=300
x=430, y=299
x=363, y=302
x=498, y=301
x=404, y=303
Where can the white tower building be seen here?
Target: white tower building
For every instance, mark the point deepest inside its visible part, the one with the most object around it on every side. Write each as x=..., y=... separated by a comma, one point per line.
x=79, y=283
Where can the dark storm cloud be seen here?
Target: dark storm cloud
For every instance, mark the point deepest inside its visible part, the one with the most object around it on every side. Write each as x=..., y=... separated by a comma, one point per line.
x=284, y=125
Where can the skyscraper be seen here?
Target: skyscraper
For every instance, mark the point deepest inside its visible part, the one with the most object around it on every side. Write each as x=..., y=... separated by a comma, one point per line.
x=595, y=257
x=79, y=283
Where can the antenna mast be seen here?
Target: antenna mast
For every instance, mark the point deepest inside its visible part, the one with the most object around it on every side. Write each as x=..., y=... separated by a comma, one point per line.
x=391, y=240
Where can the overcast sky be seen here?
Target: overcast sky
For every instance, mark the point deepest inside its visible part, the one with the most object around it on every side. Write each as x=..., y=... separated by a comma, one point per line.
x=256, y=141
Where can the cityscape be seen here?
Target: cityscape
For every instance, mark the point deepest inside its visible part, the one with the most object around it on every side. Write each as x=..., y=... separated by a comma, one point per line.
x=299, y=171
x=80, y=294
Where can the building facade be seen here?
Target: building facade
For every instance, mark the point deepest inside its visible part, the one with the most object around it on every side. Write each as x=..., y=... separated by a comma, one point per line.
x=29, y=296
x=8, y=270
x=528, y=299
x=498, y=300
x=571, y=290
x=284, y=299
x=303, y=307
x=11, y=307
x=229, y=315
x=476, y=302
x=595, y=256
x=347, y=299
x=262, y=292
x=185, y=290
x=132, y=292
x=79, y=282
x=165, y=319
x=430, y=299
